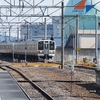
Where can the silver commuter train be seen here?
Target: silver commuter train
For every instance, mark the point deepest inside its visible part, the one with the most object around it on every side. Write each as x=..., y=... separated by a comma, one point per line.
x=35, y=50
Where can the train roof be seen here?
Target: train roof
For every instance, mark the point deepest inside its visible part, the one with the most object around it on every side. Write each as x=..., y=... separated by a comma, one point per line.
x=45, y=40
x=23, y=42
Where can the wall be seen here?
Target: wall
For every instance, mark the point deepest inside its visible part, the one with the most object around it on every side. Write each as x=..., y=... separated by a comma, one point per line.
x=68, y=54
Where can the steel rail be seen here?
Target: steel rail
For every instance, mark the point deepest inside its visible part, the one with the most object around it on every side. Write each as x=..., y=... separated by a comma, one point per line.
x=21, y=88
x=51, y=81
x=45, y=94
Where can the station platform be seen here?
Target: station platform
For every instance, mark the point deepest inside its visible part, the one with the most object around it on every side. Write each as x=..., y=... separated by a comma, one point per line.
x=9, y=89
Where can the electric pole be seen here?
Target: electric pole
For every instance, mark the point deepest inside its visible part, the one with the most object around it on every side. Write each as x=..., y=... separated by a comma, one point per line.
x=62, y=36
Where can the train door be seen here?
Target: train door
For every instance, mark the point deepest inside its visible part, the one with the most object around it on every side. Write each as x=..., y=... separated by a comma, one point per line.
x=46, y=49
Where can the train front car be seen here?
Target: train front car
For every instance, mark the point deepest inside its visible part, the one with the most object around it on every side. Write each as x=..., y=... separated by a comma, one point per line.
x=46, y=49
x=52, y=49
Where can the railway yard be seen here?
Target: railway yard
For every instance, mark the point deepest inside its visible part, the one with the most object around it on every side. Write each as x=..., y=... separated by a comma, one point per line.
x=49, y=50
x=52, y=83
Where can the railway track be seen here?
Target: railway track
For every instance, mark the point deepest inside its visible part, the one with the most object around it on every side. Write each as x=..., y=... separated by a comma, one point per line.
x=57, y=83
x=41, y=93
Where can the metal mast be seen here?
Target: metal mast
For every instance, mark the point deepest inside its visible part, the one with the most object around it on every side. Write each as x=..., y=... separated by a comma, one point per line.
x=96, y=36
x=45, y=30
x=62, y=36
x=76, y=36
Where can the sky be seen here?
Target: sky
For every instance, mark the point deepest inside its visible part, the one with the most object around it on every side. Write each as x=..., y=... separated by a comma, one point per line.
x=26, y=11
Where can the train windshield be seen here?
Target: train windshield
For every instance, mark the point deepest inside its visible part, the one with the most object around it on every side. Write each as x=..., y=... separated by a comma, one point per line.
x=46, y=46
x=40, y=45
x=52, y=45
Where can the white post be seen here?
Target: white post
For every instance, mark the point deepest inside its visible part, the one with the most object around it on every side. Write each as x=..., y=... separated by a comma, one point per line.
x=26, y=54
x=72, y=67
x=13, y=52
x=96, y=41
x=45, y=33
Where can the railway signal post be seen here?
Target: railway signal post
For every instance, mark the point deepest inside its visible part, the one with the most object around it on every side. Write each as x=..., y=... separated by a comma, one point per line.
x=71, y=73
x=13, y=52
x=26, y=55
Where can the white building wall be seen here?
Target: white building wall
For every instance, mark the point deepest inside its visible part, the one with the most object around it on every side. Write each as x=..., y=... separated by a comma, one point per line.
x=56, y=21
x=87, y=39
x=35, y=30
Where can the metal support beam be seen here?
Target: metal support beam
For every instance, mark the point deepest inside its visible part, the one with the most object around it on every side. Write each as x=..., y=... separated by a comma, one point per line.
x=52, y=2
x=17, y=34
x=9, y=33
x=10, y=8
x=25, y=6
x=27, y=31
x=15, y=11
x=96, y=36
x=45, y=30
x=13, y=53
x=62, y=36
x=76, y=36
x=33, y=5
x=14, y=2
x=5, y=37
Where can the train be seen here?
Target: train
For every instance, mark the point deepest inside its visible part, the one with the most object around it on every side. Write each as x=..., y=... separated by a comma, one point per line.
x=29, y=50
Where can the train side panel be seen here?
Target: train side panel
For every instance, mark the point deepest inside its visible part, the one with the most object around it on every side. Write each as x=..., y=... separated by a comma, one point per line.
x=32, y=49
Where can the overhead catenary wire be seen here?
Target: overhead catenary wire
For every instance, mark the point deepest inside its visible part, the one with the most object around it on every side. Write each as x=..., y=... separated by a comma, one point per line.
x=22, y=19
x=24, y=13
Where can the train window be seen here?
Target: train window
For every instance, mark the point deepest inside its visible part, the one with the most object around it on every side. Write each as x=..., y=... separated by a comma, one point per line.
x=52, y=45
x=46, y=46
x=40, y=45
x=46, y=41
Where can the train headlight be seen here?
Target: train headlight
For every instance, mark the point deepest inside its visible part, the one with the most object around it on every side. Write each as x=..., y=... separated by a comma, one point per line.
x=51, y=52
x=40, y=51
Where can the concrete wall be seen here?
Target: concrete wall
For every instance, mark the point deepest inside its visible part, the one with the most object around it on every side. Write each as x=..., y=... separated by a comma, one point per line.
x=87, y=41
x=68, y=54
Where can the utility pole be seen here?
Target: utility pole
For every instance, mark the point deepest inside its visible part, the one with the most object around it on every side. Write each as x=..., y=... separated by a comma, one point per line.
x=17, y=34
x=76, y=36
x=45, y=30
x=13, y=52
x=96, y=36
x=27, y=31
x=5, y=37
x=52, y=2
x=62, y=36
x=33, y=5
x=10, y=8
x=9, y=33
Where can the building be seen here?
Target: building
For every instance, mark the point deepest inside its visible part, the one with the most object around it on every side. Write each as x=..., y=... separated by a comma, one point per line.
x=86, y=25
x=37, y=31
x=88, y=21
